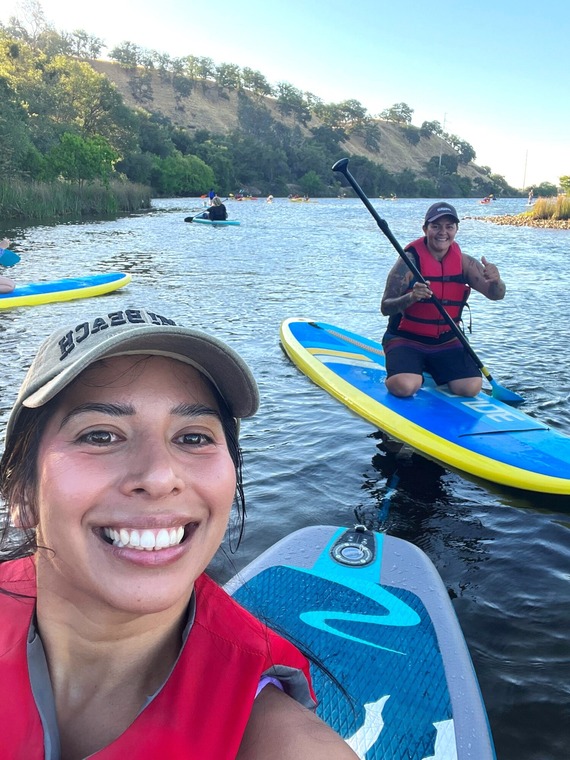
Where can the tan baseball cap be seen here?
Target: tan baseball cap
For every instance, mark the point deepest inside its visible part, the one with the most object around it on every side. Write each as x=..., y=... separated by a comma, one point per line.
x=67, y=352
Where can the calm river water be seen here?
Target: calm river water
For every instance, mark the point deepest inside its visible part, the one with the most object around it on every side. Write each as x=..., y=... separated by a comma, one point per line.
x=504, y=555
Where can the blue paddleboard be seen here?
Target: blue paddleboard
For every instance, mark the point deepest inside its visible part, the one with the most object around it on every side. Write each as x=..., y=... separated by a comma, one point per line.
x=374, y=610
x=66, y=289
x=217, y=223
x=481, y=436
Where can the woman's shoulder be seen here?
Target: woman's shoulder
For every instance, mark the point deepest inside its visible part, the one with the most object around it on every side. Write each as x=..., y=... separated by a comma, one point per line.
x=281, y=729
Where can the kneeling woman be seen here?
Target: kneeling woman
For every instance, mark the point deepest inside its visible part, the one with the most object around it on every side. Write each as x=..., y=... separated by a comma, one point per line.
x=120, y=469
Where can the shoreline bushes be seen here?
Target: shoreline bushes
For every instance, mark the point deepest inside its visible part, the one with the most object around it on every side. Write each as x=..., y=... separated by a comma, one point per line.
x=21, y=199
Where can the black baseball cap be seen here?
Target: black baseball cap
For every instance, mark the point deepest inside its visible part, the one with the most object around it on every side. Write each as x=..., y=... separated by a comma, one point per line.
x=436, y=210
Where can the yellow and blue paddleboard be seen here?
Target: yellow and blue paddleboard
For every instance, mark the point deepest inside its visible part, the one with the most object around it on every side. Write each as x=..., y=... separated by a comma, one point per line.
x=480, y=436
x=373, y=609
x=66, y=289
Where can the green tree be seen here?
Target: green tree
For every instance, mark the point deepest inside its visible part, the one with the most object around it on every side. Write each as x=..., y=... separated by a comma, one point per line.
x=15, y=141
x=310, y=184
x=429, y=128
x=426, y=188
x=79, y=160
x=329, y=138
x=127, y=54
x=565, y=183
x=290, y=101
x=85, y=45
x=206, y=68
x=351, y=114
x=256, y=82
x=412, y=134
x=401, y=113
x=228, y=75
x=371, y=134
x=443, y=165
x=30, y=25
x=545, y=190
x=178, y=175
x=254, y=117
x=465, y=151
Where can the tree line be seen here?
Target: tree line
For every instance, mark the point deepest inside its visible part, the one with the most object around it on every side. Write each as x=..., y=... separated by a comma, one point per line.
x=61, y=121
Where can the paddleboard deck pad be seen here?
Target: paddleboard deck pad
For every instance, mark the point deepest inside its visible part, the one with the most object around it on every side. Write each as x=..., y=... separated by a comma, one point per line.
x=66, y=289
x=481, y=436
x=374, y=610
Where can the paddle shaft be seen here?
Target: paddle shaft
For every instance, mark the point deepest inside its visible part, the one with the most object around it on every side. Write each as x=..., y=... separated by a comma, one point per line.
x=342, y=166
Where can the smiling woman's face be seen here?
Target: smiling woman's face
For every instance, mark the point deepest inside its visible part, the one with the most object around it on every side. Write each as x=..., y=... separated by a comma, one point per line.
x=440, y=235
x=134, y=486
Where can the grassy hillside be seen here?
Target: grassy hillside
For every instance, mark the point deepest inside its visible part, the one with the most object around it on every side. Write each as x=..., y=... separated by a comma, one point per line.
x=216, y=110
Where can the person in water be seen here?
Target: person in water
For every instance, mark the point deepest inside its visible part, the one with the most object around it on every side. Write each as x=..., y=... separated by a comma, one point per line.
x=120, y=469
x=7, y=285
x=217, y=211
x=417, y=338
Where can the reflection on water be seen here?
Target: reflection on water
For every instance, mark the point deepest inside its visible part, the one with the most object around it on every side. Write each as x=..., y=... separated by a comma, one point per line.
x=503, y=555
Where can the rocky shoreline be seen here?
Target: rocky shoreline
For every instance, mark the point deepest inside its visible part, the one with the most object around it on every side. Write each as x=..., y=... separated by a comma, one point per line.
x=521, y=220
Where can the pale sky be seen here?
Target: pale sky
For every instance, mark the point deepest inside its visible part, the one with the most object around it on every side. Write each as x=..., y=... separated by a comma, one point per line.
x=493, y=73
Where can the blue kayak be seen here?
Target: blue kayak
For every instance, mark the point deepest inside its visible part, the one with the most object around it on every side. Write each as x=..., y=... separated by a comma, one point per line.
x=481, y=436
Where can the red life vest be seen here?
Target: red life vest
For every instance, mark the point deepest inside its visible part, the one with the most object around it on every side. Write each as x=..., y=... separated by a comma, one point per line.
x=447, y=282
x=201, y=711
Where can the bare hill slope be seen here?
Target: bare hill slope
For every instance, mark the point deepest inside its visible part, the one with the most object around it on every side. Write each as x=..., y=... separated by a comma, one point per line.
x=215, y=109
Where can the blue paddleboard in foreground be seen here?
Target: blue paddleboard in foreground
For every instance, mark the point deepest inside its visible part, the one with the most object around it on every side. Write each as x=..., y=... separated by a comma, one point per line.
x=373, y=609
x=481, y=436
x=66, y=289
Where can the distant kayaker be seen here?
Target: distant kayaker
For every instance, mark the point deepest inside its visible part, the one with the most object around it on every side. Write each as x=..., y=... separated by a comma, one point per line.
x=211, y=194
x=121, y=467
x=417, y=338
x=217, y=211
x=7, y=285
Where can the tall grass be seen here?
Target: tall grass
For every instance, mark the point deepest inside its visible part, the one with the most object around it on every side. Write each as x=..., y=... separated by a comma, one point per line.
x=551, y=208
x=52, y=200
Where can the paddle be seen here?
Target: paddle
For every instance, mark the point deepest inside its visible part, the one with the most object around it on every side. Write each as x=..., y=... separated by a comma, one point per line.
x=498, y=391
x=8, y=258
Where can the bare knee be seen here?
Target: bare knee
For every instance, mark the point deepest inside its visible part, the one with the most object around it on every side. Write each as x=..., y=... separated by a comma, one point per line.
x=466, y=386
x=404, y=384
x=6, y=285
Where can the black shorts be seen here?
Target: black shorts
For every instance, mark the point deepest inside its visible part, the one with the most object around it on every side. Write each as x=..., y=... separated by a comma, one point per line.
x=445, y=362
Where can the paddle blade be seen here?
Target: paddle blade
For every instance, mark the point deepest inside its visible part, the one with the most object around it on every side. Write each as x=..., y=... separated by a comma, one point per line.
x=8, y=258
x=505, y=395
x=189, y=219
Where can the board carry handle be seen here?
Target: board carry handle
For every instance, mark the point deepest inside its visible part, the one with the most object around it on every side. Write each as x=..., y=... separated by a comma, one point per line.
x=498, y=391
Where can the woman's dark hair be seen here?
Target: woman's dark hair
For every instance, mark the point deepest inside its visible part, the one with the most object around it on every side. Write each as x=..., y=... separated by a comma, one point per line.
x=18, y=476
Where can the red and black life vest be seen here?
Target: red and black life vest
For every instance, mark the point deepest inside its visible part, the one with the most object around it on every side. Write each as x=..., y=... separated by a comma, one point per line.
x=201, y=711
x=447, y=282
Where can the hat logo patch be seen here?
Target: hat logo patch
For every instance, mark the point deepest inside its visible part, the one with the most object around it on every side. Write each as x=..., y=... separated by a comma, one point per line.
x=113, y=319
